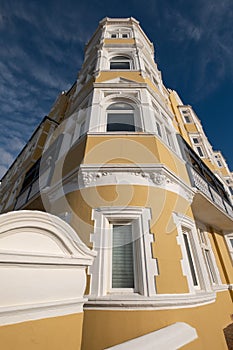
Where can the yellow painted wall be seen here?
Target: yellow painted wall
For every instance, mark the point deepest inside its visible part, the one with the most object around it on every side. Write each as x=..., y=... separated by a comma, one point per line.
x=129, y=41
x=102, y=329
x=131, y=75
x=178, y=118
x=162, y=204
x=191, y=128
x=135, y=149
x=57, y=333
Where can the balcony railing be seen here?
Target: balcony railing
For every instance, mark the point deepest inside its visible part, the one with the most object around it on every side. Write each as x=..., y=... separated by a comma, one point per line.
x=204, y=180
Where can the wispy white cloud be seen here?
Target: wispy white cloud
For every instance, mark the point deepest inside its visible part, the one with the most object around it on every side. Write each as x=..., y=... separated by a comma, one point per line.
x=6, y=157
x=204, y=36
x=3, y=170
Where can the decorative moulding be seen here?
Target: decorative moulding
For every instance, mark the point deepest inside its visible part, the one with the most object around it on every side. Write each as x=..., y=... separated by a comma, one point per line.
x=103, y=175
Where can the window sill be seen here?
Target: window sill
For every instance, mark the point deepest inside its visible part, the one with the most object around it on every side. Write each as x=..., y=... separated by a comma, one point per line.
x=157, y=302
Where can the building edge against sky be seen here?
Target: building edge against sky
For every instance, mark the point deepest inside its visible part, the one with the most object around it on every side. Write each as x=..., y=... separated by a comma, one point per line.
x=128, y=166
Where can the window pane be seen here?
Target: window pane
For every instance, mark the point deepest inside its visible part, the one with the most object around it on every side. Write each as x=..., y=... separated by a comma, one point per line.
x=120, y=122
x=82, y=127
x=231, y=241
x=190, y=259
x=210, y=266
x=187, y=119
x=119, y=106
x=122, y=257
x=119, y=65
x=159, y=129
x=169, y=138
x=199, y=150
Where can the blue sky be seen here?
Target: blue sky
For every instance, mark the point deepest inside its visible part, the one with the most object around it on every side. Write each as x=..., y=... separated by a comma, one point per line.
x=41, y=52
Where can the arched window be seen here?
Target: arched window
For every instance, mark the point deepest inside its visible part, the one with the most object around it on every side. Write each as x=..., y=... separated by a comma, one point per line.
x=120, y=117
x=120, y=62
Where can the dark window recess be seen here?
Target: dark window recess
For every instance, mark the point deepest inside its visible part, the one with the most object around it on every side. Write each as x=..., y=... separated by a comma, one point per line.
x=31, y=175
x=119, y=65
x=120, y=62
x=120, y=122
x=190, y=259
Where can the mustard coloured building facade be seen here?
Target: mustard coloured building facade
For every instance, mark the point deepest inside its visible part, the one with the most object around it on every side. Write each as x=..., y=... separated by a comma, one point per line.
x=126, y=164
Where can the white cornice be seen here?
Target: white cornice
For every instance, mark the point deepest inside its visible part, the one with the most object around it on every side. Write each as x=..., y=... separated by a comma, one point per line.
x=36, y=311
x=156, y=175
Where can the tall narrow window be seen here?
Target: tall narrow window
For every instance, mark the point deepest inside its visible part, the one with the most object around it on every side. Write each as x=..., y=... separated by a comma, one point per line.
x=187, y=116
x=159, y=131
x=82, y=128
x=169, y=137
x=206, y=250
x=120, y=117
x=124, y=262
x=199, y=151
x=229, y=240
x=191, y=261
x=120, y=62
x=122, y=256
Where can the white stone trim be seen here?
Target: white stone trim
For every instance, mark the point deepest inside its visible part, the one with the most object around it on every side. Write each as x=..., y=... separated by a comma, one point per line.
x=22, y=313
x=202, y=275
x=207, y=246
x=228, y=238
x=156, y=302
x=168, y=338
x=156, y=175
x=147, y=265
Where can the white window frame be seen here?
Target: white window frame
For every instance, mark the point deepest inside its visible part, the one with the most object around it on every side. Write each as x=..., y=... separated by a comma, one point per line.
x=198, y=259
x=169, y=138
x=200, y=151
x=124, y=58
x=186, y=114
x=134, y=111
x=187, y=232
x=82, y=127
x=198, y=146
x=229, y=241
x=163, y=128
x=145, y=264
x=130, y=111
x=159, y=128
x=119, y=33
x=206, y=248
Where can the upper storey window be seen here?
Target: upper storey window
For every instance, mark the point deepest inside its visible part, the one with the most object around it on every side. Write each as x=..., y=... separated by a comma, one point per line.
x=187, y=116
x=120, y=33
x=120, y=117
x=120, y=62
